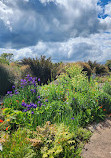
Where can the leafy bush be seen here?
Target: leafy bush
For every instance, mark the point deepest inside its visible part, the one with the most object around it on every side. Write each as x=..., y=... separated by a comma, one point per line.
x=7, y=79
x=58, y=142
x=108, y=64
x=104, y=101
x=16, y=145
x=86, y=68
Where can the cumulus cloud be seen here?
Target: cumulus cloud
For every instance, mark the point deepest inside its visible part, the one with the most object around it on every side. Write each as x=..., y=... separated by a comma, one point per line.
x=61, y=29
x=108, y=9
x=96, y=47
x=30, y=21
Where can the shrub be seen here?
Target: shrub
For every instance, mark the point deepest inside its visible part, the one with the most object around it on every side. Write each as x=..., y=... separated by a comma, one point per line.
x=57, y=141
x=6, y=79
x=104, y=101
x=86, y=68
x=25, y=69
x=100, y=69
x=16, y=146
x=97, y=68
x=42, y=68
x=108, y=64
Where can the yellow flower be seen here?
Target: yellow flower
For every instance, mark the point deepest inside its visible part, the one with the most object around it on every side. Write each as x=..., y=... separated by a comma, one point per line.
x=8, y=120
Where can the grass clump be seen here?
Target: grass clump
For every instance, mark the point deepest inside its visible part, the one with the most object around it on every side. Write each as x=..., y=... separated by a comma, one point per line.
x=6, y=79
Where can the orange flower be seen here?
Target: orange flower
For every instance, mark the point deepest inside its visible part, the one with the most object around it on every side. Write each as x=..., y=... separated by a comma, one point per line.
x=1, y=121
x=101, y=107
x=104, y=109
x=58, y=142
x=17, y=101
x=3, y=108
x=23, y=101
x=7, y=128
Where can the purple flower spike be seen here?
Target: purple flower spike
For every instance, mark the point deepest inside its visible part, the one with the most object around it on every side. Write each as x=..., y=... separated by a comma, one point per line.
x=32, y=112
x=72, y=118
x=39, y=79
x=46, y=100
x=13, y=87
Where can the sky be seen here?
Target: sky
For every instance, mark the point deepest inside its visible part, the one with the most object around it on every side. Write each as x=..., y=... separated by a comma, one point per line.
x=65, y=30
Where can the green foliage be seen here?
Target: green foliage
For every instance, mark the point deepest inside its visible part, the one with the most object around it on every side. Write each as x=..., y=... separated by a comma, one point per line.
x=58, y=142
x=86, y=68
x=107, y=88
x=16, y=146
x=7, y=56
x=108, y=63
x=70, y=100
x=6, y=79
x=3, y=61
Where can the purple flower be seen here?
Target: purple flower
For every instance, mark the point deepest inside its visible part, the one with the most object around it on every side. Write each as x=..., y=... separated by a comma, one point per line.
x=72, y=118
x=9, y=92
x=44, y=105
x=28, y=76
x=24, y=104
x=35, y=105
x=38, y=97
x=39, y=79
x=46, y=100
x=105, y=98
x=30, y=79
x=31, y=105
x=13, y=87
x=16, y=93
x=28, y=108
x=73, y=98
x=11, y=95
x=38, y=102
x=32, y=112
x=25, y=110
x=34, y=90
x=31, y=90
x=35, y=85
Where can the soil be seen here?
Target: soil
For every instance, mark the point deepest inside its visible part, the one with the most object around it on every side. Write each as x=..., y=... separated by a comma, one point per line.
x=99, y=145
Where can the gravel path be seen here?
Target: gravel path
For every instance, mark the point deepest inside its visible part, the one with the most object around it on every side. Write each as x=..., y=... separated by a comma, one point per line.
x=99, y=145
